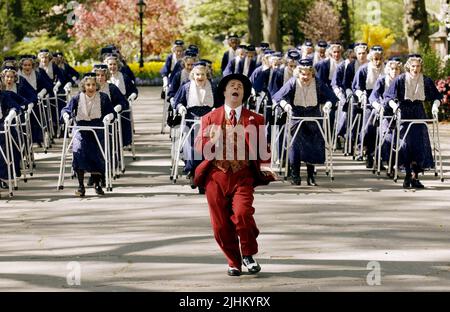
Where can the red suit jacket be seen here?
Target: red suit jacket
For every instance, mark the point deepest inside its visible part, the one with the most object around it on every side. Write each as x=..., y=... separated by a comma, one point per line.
x=248, y=117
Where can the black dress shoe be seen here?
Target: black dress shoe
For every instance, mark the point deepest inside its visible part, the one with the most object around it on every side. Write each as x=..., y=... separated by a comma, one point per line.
x=81, y=191
x=99, y=190
x=233, y=271
x=296, y=180
x=311, y=181
x=251, y=264
x=201, y=190
x=369, y=163
x=191, y=181
x=407, y=182
x=415, y=183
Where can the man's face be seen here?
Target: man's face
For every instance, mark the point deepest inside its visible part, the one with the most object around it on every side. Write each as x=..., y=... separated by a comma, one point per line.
x=394, y=70
x=101, y=77
x=27, y=66
x=234, y=93
x=336, y=53
x=91, y=86
x=415, y=68
x=309, y=49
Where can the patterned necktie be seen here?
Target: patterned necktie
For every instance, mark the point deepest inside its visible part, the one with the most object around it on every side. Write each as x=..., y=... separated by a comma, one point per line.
x=233, y=117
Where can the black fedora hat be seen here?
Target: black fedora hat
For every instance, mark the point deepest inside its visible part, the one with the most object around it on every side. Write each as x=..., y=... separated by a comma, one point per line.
x=223, y=83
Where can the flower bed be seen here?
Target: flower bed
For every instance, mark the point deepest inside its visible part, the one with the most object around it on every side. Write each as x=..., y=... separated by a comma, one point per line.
x=147, y=76
x=443, y=86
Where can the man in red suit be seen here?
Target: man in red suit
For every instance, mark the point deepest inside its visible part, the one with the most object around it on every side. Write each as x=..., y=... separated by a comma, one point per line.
x=233, y=144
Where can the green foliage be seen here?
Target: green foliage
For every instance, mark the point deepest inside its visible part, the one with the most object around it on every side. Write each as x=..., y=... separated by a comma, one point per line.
x=433, y=66
x=218, y=18
x=291, y=12
x=392, y=13
x=44, y=41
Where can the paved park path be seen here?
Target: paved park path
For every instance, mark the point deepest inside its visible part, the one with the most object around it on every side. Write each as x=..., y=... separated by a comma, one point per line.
x=151, y=235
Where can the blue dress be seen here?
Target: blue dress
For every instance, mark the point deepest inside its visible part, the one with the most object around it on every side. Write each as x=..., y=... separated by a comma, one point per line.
x=225, y=60
x=338, y=82
x=323, y=71
x=86, y=153
x=417, y=146
x=42, y=82
x=69, y=73
x=309, y=145
x=359, y=83
x=130, y=88
x=377, y=95
x=9, y=100
x=191, y=160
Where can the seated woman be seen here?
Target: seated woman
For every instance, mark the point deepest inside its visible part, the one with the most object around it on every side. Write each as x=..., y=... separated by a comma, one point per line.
x=88, y=108
x=302, y=95
x=41, y=85
x=127, y=88
x=195, y=98
x=408, y=92
x=10, y=107
x=392, y=69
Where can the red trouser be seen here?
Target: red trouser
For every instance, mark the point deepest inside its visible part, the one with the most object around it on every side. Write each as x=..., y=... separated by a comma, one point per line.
x=230, y=199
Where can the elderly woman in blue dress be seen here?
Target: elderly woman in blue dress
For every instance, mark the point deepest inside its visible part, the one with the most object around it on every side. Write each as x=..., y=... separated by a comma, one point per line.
x=89, y=108
x=194, y=99
x=10, y=107
x=321, y=52
x=118, y=100
x=302, y=95
x=71, y=76
x=365, y=79
x=41, y=85
x=57, y=78
x=172, y=60
x=392, y=69
x=407, y=93
x=233, y=42
x=128, y=90
x=285, y=72
x=182, y=76
x=234, y=65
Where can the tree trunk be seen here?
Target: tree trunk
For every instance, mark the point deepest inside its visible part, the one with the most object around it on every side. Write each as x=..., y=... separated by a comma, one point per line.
x=345, y=18
x=254, y=22
x=269, y=12
x=416, y=24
